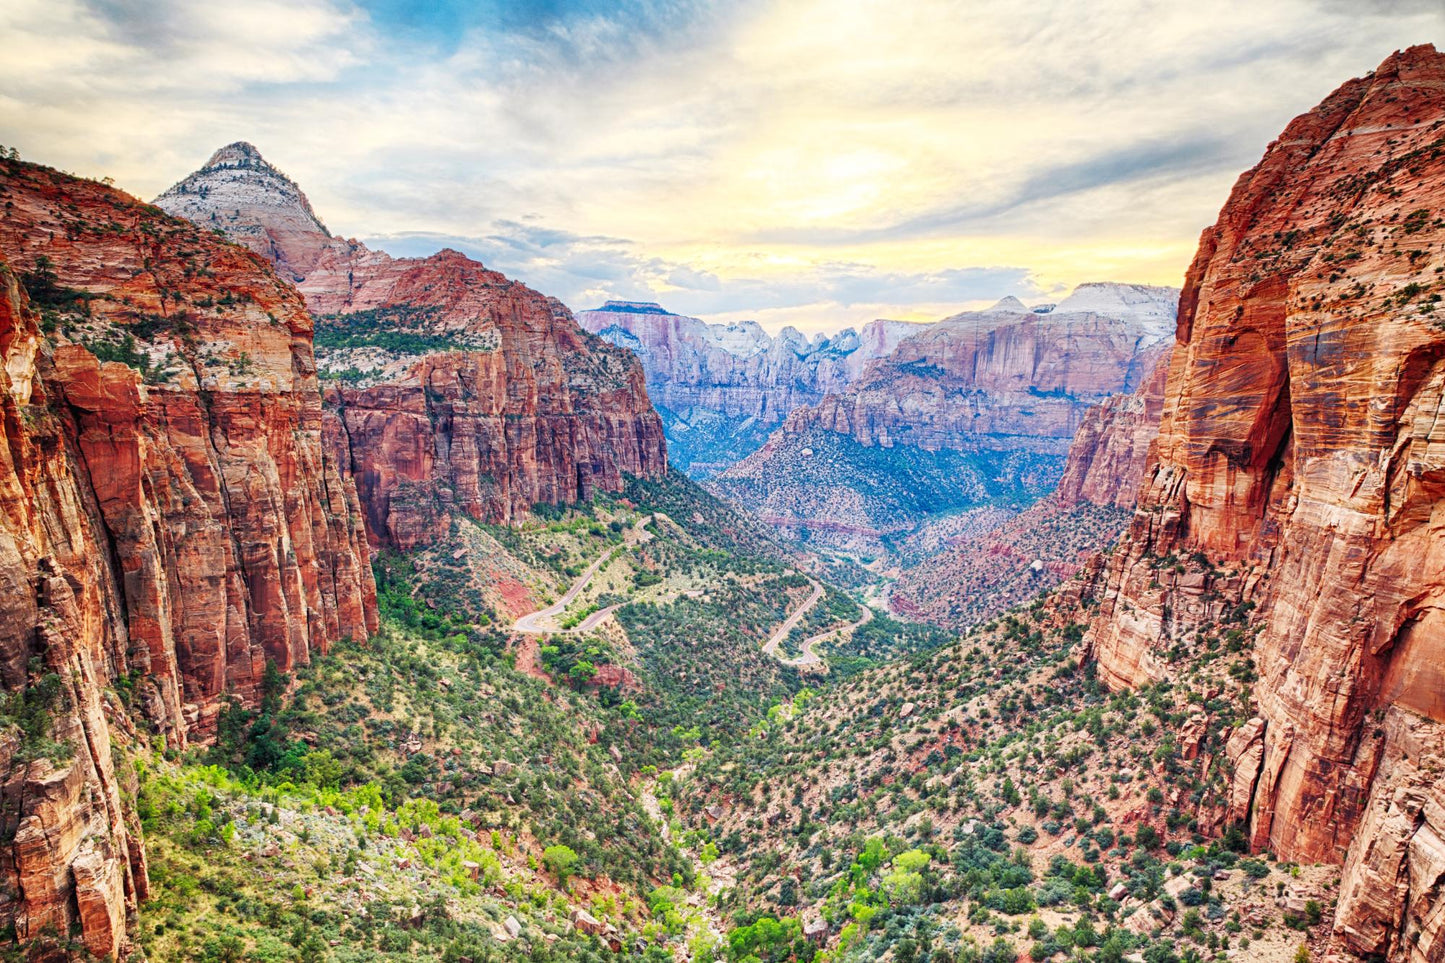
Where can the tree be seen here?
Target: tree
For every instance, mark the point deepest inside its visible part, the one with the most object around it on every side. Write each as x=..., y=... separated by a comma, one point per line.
x=560, y=861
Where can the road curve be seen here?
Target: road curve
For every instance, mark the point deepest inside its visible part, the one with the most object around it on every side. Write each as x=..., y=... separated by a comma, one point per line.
x=771, y=648
x=810, y=654
x=532, y=622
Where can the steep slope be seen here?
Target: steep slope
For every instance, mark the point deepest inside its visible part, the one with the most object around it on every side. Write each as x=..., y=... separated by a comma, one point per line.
x=722, y=388
x=171, y=522
x=461, y=390
x=255, y=204
x=1300, y=443
x=997, y=395
x=997, y=558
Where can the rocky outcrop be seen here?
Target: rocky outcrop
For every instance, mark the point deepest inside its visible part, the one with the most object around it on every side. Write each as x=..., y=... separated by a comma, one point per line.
x=978, y=408
x=992, y=379
x=1111, y=449
x=169, y=524
x=475, y=432
x=255, y=204
x=1301, y=446
x=457, y=389
x=722, y=387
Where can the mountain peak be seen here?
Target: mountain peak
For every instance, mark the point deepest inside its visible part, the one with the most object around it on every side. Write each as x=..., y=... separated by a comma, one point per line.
x=1010, y=303
x=239, y=154
x=257, y=205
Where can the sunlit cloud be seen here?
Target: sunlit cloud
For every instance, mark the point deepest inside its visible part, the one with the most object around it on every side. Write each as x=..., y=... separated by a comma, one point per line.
x=816, y=162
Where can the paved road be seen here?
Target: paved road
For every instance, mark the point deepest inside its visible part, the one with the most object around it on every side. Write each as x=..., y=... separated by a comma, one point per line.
x=544, y=621
x=810, y=654
x=782, y=633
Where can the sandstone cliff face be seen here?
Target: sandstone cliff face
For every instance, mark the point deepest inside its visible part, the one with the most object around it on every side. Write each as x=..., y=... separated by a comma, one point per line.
x=1301, y=443
x=990, y=379
x=167, y=516
x=459, y=390
x=1111, y=449
x=75, y=856
x=721, y=388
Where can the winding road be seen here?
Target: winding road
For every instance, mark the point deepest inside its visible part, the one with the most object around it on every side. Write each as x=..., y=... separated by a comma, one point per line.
x=544, y=621
x=810, y=654
x=771, y=648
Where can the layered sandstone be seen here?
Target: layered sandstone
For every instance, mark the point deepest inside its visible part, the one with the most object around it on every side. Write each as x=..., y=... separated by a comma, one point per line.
x=980, y=408
x=998, y=378
x=722, y=387
x=458, y=389
x=1301, y=444
x=238, y=539
x=168, y=516
x=75, y=856
x=1110, y=451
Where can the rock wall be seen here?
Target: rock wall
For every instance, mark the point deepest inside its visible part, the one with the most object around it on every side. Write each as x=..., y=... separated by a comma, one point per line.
x=1301, y=444
x=169, y=522
x=1111, y=450
x=459, y=390
x=989, y=379
x=482, y=433
x=739, y=370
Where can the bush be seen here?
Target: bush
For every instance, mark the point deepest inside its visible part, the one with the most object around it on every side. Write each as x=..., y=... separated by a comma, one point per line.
x=560, y=861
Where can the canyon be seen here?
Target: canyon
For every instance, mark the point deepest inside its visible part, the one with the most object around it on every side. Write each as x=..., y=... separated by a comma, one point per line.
x=978, y=409
x=366, y=582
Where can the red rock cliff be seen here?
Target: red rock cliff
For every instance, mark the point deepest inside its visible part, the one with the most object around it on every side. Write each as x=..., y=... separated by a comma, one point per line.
x=547, y=413
x=167, y=515
x=1111, y=450
x=1302, y=441
x=461, y=389
x=75, y=856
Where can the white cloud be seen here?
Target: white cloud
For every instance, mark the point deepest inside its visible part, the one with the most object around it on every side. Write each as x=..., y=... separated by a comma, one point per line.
x=815, y=156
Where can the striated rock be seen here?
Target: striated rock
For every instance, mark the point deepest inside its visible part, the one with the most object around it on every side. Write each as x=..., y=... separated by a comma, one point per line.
x=236, y=538
x=1301, y=442
x=74, y=856
x=458, y=389
x=167, y=515
x=723, y=387
x=1111, y=449
x=979, y=407
x=992, y=379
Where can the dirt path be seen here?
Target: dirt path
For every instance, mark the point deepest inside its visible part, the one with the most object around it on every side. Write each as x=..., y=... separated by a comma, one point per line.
x=771, y=648
x=810, y=654
x=544, y=621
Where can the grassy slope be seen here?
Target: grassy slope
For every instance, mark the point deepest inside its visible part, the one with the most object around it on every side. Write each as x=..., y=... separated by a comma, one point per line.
x=335, y=821
x=990, y=790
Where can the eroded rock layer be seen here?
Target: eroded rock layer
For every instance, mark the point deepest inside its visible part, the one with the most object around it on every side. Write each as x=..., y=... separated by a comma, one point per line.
x=1302, y=445
x=457, y=389
x=1110, y=451
x=169, y=522
x=721, y=388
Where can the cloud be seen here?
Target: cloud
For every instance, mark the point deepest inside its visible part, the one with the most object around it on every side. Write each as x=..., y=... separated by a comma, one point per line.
x=792, y=158
x=585, y=271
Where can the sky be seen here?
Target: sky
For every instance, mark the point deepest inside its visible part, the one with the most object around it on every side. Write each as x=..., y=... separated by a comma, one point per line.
x=810, y=162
